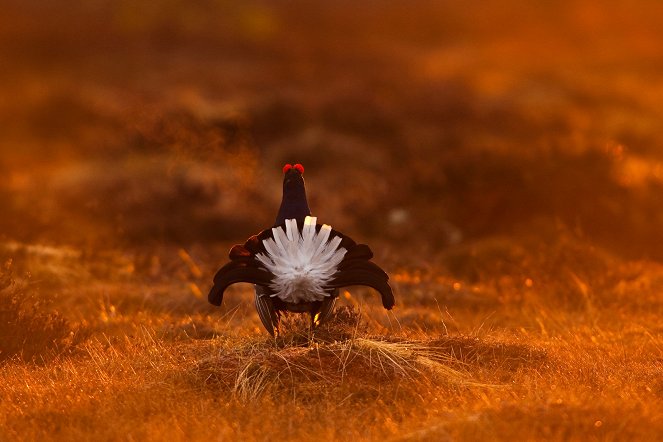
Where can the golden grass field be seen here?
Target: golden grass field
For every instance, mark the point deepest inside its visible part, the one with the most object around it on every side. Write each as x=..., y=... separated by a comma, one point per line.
x=504, y=161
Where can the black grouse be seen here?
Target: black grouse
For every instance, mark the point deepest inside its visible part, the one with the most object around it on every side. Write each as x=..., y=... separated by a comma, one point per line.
x=299, y=265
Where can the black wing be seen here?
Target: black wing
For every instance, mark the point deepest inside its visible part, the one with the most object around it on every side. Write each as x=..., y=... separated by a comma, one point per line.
x=243, y=267
x=357, y=269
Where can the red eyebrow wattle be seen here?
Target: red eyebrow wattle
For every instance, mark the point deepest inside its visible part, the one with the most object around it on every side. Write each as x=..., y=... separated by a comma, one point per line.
x=287, y=167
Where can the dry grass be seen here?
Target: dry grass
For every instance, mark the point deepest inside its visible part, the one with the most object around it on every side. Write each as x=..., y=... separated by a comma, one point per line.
x=27, y=332
x=502, y=159
x=530, y=368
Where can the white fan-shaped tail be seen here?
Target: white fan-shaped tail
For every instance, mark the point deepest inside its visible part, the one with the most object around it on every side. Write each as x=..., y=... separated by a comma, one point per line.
x=302, y=262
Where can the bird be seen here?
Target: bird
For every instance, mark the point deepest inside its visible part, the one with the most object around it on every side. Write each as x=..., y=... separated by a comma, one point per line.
x=299, y=265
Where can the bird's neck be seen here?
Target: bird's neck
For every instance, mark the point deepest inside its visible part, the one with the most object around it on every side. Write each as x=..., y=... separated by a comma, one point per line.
x=293, y=205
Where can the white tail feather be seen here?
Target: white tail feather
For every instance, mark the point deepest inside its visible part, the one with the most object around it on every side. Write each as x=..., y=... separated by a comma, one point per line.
x=301, y=263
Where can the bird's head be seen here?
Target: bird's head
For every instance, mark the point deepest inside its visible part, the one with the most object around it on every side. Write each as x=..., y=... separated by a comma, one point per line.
x=294, y=203
x=293, y=179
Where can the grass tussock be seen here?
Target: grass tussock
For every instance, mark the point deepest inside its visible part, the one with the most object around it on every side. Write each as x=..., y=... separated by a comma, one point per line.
x=270, y=367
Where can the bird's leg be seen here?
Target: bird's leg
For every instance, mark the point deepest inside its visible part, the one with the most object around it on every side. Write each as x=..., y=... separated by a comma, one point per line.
x=321, y=311
x=315, y=319
x=315, y=314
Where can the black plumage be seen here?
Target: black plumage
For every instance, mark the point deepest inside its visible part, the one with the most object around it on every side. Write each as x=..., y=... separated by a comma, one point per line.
x=247, y=263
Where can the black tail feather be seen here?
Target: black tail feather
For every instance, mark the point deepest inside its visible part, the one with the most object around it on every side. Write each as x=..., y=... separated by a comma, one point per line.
x=265, y=307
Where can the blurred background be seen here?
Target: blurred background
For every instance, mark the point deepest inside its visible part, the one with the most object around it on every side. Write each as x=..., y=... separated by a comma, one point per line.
x=423, y=125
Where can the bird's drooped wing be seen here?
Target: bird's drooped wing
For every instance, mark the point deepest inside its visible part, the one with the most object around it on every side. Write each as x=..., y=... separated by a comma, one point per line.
x=243, y=267
x=235, y=272
x=357, y=269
